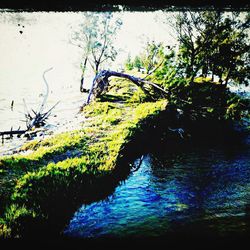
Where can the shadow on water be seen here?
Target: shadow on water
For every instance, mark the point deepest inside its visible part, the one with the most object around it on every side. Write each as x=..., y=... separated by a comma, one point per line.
x=182, y=189
x=61, y=203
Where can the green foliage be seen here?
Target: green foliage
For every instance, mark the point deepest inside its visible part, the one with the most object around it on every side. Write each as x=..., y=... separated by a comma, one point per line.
x=213, y=43
x=137, y=62
x=167, y=72
x=13, y=218
x=138, y=97
x=152, y=56
x=204, y=99
x=14, y=212
x=5, y=231
x=42, y=151
x=33, y=187
x=95, y=37
x=129, y=65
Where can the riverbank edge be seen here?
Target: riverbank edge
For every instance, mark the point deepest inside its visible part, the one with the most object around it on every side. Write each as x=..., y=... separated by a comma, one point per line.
x=57, y=175
x=37, y=202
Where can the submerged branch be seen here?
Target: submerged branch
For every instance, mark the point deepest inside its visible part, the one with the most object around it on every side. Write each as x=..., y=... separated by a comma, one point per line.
x=39, y=119
x=34, y=119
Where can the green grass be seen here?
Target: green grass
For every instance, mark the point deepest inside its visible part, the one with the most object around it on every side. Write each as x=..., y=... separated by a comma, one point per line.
x=84, y=162
x=51, y=169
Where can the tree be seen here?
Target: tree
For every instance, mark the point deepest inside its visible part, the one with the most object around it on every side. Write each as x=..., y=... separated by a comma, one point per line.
x=166, y=71
x=152, y=55
x=194, y=36
x=137, y=62
x=95, y=37
x=128, y=63
x=230, y=57
x=213, y=42
x=150, y=58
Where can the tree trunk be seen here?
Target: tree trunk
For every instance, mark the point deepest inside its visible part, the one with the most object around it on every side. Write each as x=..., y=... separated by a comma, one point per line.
x=191, y=66
x=82, y=77
x=97, y=67
x=192, y=78
x=100, y=83
x=228, y=75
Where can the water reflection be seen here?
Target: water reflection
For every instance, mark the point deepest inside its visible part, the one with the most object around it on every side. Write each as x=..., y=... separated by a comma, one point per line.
x=200, y=186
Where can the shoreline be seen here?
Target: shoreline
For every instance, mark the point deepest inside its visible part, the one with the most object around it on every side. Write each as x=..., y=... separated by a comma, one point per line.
x=79, y=162
x=43, y=188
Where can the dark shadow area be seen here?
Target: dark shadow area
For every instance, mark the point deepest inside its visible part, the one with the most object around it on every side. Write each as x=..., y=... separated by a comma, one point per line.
x=114, y=98
x=186, y=167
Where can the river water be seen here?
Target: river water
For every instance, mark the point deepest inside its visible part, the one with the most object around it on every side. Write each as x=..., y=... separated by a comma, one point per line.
x=188, y=189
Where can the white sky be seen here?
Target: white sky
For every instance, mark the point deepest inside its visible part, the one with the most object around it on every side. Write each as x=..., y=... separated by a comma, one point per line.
x=44, y=44
x=140, y=26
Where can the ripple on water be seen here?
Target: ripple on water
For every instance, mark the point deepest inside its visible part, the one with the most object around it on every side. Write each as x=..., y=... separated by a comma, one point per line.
x=200, y=184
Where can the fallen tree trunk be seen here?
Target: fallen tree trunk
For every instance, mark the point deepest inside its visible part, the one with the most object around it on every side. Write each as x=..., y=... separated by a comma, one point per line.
x=26, y=133
x=101, y=82
x=13, y=132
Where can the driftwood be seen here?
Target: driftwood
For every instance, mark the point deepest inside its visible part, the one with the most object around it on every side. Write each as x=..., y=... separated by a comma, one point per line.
x=35, y=120
x=180, y=131
x=101, y=83
x=39, y=118
x=13, y=132
x=17, y=132
x=135, y=166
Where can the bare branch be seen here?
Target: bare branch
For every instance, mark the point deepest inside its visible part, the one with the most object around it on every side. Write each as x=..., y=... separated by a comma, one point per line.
x=47, y=90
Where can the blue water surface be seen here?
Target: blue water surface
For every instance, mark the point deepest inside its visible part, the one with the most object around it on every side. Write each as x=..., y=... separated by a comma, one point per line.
x=209, y=185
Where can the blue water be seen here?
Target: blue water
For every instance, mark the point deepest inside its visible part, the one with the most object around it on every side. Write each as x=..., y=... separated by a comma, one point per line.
x=172, y=190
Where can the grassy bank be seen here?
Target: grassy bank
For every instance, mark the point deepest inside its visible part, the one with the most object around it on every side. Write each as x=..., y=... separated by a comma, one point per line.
x=46, y=183
x=82, y=165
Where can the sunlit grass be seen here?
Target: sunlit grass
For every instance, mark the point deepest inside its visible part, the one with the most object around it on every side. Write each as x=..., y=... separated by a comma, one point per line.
x=71, y=160
x=108, y=128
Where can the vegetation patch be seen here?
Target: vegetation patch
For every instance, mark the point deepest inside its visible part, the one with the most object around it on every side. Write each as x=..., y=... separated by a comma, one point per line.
x=34, y=184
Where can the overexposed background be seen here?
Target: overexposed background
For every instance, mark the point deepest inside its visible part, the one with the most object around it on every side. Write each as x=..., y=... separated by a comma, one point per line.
x=44, y=43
